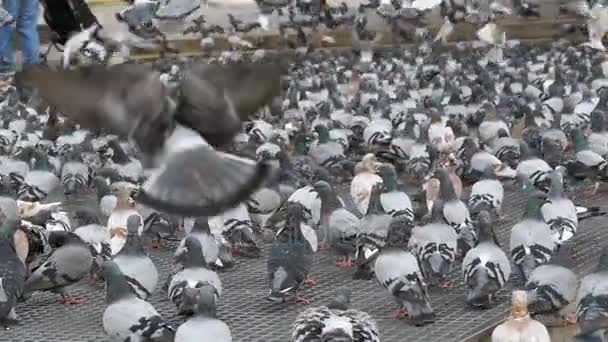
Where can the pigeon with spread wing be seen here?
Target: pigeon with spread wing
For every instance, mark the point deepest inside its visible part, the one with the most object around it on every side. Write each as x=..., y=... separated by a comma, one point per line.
x=175, y=126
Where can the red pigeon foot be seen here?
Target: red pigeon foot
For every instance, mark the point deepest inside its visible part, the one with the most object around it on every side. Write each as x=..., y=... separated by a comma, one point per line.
x=399, y=313
x=70, y=300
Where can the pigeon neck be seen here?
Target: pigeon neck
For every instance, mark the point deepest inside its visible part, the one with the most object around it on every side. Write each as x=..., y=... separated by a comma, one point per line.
x=375, y=206
x=201, y=227
x=580, y=143
x=338, y=303
x=389, y=183
x=117, y=287
x=103, y=189
x=485, y=232
x=330, y=201
x=300, y=148
x=133, y=245
x=446, y=187
x=602, y=265
x=323, y=136
x=597, y=124
x=557, y=121
x=533, y=208
x=194, y=258
x=557, y=188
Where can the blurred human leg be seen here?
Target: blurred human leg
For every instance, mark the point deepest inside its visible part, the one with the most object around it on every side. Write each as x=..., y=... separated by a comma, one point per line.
x=27, y=27
x=7, y=58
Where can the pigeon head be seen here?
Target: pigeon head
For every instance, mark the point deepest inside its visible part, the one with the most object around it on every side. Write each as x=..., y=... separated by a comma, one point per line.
x=133, y=224
x=201, y=224
x=202, y=299
x=322, y=133
x=484, y=226
x=341, y=299
x=389, y=176
x=597, y=121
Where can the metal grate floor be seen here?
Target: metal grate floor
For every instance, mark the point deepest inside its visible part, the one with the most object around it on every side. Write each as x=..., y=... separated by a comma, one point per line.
x=252, y=318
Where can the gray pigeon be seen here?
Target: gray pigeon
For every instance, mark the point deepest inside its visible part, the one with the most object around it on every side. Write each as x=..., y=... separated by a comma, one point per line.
x=202, y=232
x=335, y=322
x=138, y=268
x=12, y=274
x=434, y=245
x=290, y=258
x=69, y=262
x=96, y=235
x=592, y=309
x=531, y=241
x=127, y=317
x=486, y=268
x=552, y=287
x=456, y=213
x=398, y=272
x=486, y=194
x=194, y=275
x=203, y=323
x=40, y=182
x=74, y=174
x=558, y=211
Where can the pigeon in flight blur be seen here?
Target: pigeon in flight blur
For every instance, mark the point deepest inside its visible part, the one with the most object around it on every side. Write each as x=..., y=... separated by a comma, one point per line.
x=174, y=125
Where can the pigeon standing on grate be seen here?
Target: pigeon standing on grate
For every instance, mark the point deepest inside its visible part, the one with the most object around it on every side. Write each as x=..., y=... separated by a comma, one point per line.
x=486, y=194
x=531, y=242
x=364, y=180
x=137, y=267
x=191, y=177
x=195, y=275
x=127, y=317
x=68, y=263
x=203, y=322
x=41, y=181
x=559, y=212
x=434, y=245
x=486, y=268
x=335, y=322
x=552, y=288
x=592, y=308
x=399, y=273
x=12, y=272
x=290, y=258
x=209, y=246
x=74, y=173
x=89, y=229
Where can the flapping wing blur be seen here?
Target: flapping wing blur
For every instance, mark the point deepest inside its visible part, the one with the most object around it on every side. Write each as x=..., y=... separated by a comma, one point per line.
x=98, y=97
x=248, y=87
x=202, y=182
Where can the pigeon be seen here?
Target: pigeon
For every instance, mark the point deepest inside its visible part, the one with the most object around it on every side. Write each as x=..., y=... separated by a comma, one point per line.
x=559, y=212
x=552, y=288
x=335, y=322
x=68, y=263
x=41, y=181
x=486, y=268
x=531, y=242
x=195, y=275
x=127, y=317
x=12, y=274
x=362, y=183
x=209, y=246
x=486, y=194
x=591, y=309
x=117, y=222
x=455, y=213
x=394, y=202
x=290, y=259
x=203, y=321
x=99, y=105
x=434, y=245
x=398, y=272
x=137, y=267
x=89, y=229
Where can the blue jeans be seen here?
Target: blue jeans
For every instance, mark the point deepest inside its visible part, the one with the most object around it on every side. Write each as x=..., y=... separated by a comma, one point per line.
x=26, y=13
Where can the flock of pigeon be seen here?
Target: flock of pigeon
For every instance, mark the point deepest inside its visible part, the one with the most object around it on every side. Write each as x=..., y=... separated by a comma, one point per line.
x=163, y=148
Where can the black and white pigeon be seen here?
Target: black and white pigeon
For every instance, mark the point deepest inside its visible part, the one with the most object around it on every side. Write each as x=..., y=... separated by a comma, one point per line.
x=89, y=229
x=486, y=194
x=434, y=245
x=394, y=201
x=68, y=263
x=41, y=181
x=486, y=267
x=92, y=96
x=135, y=264
x=552, y=287
x=128, y=317
x=335, y=322
x=592, y=308
x=75, y=174
x=558, y=211
x=195, y=275
x=290, y=258
x=12, y=273
x=398, y=272
x=202, y=232
x=531, y=242
x=204, y=321
x=455, y=213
